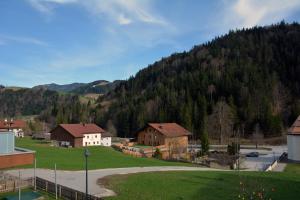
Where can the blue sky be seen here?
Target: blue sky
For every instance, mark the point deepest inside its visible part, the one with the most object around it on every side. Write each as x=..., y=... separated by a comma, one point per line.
x=65, y=41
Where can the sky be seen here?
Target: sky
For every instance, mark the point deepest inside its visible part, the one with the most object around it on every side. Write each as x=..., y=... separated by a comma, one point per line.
x=66, y=41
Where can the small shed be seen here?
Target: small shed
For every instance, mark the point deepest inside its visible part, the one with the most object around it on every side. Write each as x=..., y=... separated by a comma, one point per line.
x=293, y=141
x=7, y=142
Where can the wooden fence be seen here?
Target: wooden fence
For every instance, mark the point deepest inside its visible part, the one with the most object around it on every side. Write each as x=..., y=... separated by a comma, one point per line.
x=12, y=185
x=62, y=191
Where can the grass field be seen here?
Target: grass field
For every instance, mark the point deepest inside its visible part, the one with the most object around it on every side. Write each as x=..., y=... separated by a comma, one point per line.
x=72, y=158
x=207, y=185
x=293, y=168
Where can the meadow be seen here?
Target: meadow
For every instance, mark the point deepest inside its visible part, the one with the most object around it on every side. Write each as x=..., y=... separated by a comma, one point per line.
x=73, y=159
x=207, y=185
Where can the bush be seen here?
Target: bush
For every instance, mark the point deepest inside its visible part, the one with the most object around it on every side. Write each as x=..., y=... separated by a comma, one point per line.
x=157, y=154
x=233, y=148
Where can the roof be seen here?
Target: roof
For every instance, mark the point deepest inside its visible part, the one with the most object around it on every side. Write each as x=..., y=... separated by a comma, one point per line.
x=13, y=124
x=78, y=130
x=295, y=128
x=170, y=129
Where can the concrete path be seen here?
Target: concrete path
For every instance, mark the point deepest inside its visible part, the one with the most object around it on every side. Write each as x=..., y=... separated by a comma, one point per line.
x=279, y=167
x=76, y=179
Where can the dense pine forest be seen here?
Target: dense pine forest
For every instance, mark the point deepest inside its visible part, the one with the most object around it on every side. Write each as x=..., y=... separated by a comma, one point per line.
x=246, y=80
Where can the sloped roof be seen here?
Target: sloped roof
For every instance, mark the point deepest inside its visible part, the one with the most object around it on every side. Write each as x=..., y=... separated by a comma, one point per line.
x=170, y=129
x=14, y=124
x=78, y=130
x=295, y=128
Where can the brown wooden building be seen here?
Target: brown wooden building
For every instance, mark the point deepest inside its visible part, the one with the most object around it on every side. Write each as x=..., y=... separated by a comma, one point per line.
x=168, y=134
x=76, y=135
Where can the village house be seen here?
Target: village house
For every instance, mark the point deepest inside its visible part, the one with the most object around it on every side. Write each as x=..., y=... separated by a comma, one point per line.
x=293, y=141
x=16, y=126
x=171, y=135
x=78, y=135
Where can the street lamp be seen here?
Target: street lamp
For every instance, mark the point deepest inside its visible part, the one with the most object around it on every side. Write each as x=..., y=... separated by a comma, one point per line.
x=86, y=155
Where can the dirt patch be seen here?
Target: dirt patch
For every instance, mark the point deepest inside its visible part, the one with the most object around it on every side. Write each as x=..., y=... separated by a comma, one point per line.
x=108, y=180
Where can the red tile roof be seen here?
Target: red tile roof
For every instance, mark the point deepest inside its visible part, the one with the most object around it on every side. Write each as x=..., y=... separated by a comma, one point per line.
x=295, y=128
x=78, y=130
x=170, y=129
x=13, y=124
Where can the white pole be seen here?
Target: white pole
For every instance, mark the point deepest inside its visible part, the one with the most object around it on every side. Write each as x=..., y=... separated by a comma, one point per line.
x=34, y=174
x=55, y=183
x=19, y=185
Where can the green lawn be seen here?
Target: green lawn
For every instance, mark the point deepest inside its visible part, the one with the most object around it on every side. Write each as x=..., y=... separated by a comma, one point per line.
x=293, y=168
x=72, y=158
x=206, y=185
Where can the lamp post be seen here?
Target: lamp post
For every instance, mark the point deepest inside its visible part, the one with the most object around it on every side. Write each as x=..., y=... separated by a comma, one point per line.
x=86, y=155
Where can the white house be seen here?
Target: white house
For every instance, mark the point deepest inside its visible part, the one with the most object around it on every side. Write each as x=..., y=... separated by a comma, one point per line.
x=293, y=141
x=15, y=126
x=78, y=135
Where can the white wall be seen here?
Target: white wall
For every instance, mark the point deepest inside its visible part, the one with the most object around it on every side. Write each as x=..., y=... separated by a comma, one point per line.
x=293, y=142
x=91, y=139
x=18, y=132
x=106, y=141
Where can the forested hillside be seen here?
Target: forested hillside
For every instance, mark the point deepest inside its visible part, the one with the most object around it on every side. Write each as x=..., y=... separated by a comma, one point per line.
x=51, y=106
x=244, y=79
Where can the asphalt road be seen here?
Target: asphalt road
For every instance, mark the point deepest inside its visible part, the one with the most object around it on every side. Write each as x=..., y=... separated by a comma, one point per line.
x=266, y=157
x=76, y=179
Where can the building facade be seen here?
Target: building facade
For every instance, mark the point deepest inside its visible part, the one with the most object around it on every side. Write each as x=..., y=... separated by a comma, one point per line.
x=16, y=126
x=78, y=135
x=11, y=156
x=293, y=141
x=170, y=135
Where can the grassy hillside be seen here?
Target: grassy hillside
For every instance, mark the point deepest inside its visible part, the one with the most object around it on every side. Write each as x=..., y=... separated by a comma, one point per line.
x=73, y=159
x=206, y=185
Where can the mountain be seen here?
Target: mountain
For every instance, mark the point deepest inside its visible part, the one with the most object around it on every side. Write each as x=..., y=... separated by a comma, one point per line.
x=245, y=81
x=97, y=87
x=60, y=88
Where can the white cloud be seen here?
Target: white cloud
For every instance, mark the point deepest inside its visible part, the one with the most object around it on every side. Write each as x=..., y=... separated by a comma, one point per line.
x=123, y=12
x=4, y=39
x=124, y=20
x=248, y=13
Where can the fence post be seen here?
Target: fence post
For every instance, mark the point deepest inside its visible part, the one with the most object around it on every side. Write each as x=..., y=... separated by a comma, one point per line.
x=46, y=186
x=59, y=190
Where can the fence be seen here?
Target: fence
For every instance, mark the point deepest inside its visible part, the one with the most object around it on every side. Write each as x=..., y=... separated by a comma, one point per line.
x=12, y=185
x=275, y=162
x=62, y=191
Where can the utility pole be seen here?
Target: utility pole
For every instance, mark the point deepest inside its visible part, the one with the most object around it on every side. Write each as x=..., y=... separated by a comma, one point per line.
x=55, y=181
x=86, y=155
x=19, y=185
x=34, y=174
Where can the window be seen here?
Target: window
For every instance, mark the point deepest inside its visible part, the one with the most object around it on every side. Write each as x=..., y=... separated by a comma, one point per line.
x=95, y=136
x=87, y=136
x=98, y=142
x=85, y=143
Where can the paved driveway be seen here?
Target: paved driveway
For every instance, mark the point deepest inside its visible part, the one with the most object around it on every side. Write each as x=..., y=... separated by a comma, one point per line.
x=76, y=179
x=265, y=158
